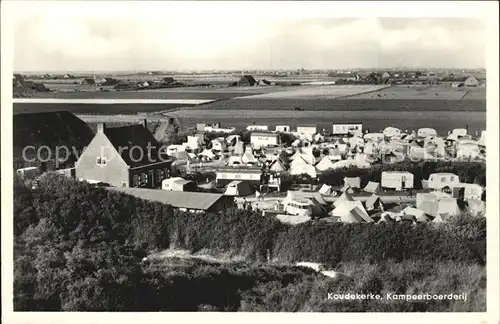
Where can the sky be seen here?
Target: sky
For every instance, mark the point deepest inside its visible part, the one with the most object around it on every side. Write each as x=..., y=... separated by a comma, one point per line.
x=128, y=36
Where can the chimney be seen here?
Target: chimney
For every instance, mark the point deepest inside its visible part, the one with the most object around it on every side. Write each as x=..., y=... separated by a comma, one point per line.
x=145, y=123
x=101, y=127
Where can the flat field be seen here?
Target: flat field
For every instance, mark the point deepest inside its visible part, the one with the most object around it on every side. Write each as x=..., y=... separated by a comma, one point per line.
x=439, y=92
x=320, y=104
x=314, y=92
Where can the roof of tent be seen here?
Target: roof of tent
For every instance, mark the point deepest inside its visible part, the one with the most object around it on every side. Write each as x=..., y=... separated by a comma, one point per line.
x=419, y=214
x=353, y=182
x=372, y=187
x=351, y=212
x=372, y=200
x=346, y=196
x=325, y=189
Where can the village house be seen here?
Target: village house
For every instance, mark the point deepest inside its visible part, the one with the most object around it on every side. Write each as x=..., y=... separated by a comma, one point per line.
x=471, y=82
x=246, y=80
x=127, y=156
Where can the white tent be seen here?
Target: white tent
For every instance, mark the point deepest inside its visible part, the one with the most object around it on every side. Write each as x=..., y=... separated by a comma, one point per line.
x=346, y=196
x=248, y=157
x=207, y=154
x=353, y=182
x=293, y=219
x=344, y=164
x=239, y=148
x=425, y=131
x=482, y=139
x=325, y=164
x=234, y=160
x=303, y=169
x=375, y=137
x=459, y=132
x=326, y=190
x=476, y=207
x=351, y=212
x=277, y=166
x=373, y=203
x=373, y=187
x=417, y=213
x=391, y=132
x=237, y=188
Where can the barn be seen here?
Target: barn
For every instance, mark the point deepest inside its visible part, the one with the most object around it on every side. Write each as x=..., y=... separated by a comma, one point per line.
x=471, y=82
x=247, y=80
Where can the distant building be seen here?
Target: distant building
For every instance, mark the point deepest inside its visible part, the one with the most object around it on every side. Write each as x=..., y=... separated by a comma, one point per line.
x=471, y=82
x=87, y=81
x=124, y=157
x=258, y=128
x=344, y=129
x=106, y=82
x=167, y=80
x=282, y=128
x=247, y=80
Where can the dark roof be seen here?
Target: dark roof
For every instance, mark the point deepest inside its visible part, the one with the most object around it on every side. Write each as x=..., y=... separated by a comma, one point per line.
x=178, y=199
x=126, y=137
x=248, y=79
x=54, y=128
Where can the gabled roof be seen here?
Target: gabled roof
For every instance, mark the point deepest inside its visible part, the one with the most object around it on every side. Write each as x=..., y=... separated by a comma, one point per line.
x=344, y=197
x=126, y=137
x=178, y=199
x=372, y=200
x=353, y=182
x=373, y=187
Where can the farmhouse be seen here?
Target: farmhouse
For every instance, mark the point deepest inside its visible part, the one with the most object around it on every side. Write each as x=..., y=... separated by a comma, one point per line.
x=258, y=140
x=195, y=202
x=471, y=82
x=247, y=80
x=125, y=156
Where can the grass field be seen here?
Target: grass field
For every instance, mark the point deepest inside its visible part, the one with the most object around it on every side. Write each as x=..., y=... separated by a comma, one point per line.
x=319, y=104
x=441, y=121
x=322, y=92
x=440, y=92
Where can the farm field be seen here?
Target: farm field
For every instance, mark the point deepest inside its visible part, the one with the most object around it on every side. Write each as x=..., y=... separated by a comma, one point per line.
x=320, y=104
x=442, y=121
x=314, y=92
x=110, y=109
x=424, y=93
x=201, y=93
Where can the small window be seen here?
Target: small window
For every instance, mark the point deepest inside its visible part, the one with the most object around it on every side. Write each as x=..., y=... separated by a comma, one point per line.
x=98, y=161
x=443, y=179
x=101, y=161
x=124, y=183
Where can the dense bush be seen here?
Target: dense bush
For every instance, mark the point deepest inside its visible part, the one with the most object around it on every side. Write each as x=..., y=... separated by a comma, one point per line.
x=78, y=247
x=469, y=172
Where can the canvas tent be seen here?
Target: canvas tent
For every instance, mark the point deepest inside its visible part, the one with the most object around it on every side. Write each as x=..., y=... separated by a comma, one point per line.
x=476, y=207
x=353, y=182
x=373, y=187
x=347, y=188
x=326, y=190
x=325, y=164
x=433, y=205
x=346, y=196
x=299, y=169
x=351, y=212
x=424, y=132
x=248, y=158
x=238, y=188
x=374, y=203
x=417, y=213
x=277, y=166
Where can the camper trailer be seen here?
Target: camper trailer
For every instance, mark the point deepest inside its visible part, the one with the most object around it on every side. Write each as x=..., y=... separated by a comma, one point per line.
x=438, y=181
x=397, y=180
